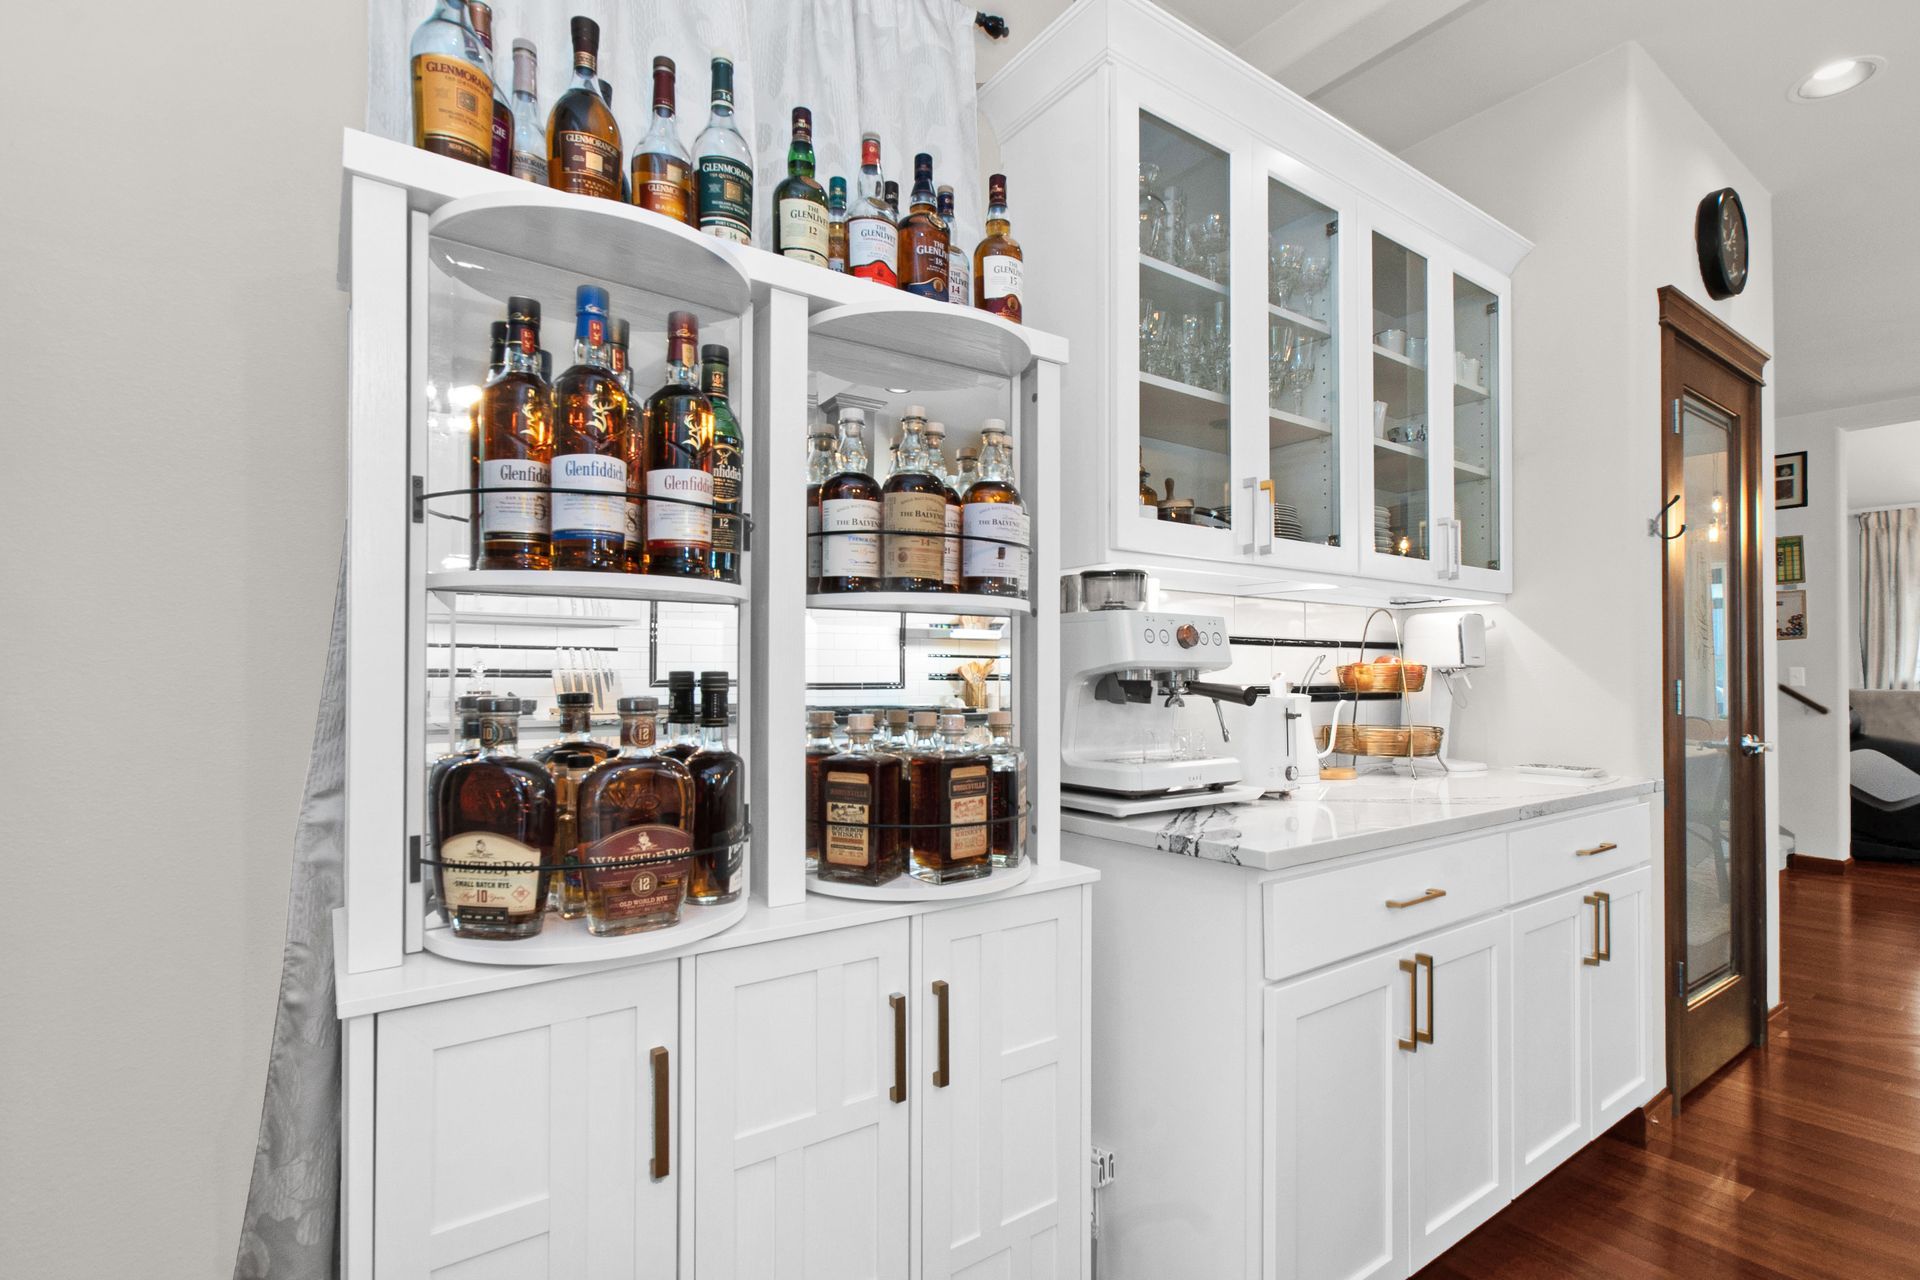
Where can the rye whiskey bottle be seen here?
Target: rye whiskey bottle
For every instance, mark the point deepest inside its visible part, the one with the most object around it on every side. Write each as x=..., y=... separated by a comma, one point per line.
x=998, y=264
x=683, y=723
x=837, y=225
x=823, y=462
x=995, y=522
x=719, y=801
x=466, y=745
x=566, y=890
x=500, y=154
x=452, y=87
x=936, y=438
x=494, y=815
x=679, y=461
x=724, y=185
x=850, y=517
x=1007, y=793
x=923, y=237
x=914, y=514
x=950, y=818
x=636, y=830
x=860, y=811
x=726, y=453
x=873, y=234
x=819, y=747
x=513, y=451
x=799, y=205
x=576, y=731
x=583, y=141
x=662, y=166
x=590, y=448
x=529, y=127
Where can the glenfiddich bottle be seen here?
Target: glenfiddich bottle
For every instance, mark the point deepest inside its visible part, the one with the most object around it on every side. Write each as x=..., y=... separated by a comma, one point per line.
x=725, y=454
x=1007, y=844
x=583, y=142
x=935, y=435
x=860, y=811
x=590, y=448
x=725, y=183
x=636, y=828
x=662, y=167
x=873, y=235
x=529, y=127
x=679, y=461
x=823, y=461
x=496, y=365
x=959, y=261
x=837, y=225
x=998, y=264
x=923, y=238
x=799, y=205
x=994, y=522
x=633, y=548
x=719, y=801
x=913, y=514
x=500, y=154
x=494, y=815
x=950, y=817
x=819, y=747
x=452, y=87
x=850, y=516
x=513, y=451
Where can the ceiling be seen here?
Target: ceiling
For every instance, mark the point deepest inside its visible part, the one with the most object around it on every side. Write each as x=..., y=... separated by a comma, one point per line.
x=1844, y=173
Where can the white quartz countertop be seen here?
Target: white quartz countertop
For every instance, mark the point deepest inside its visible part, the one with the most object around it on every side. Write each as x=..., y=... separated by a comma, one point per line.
x=1372, y=812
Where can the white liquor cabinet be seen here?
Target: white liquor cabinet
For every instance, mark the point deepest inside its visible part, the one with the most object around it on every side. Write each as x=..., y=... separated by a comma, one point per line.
x=908, y=1063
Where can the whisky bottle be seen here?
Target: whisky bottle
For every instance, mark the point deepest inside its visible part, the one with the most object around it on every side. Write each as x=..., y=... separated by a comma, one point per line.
x=873, y=236
x=529, y=130
x=923, y=238
x=633, y=537
x=683, y=725
x=922, y=736
x=726, y=454
x=590, y=448
x=860, y=811
x=500, y=150
x=837, y=225
x=662, y=166
x=566, y=889
x=636, y=830
x=583, y=141
x=1148, y=498
x=452, y=87
x=1007, y=792
x=513, y=451
x=626, y=189
x=936, y=438
x=950, y=817
x=823, y=461
x=995, y=522
x=891, y=193
x=899, y=734
x=496, y=365
x=819, y=747
x=966, y=470
x=725, y=182
x=913, y=514
x=494, y=816
x=998, y=264
x=465, y=723
x=679, y=460
x=959, y=261
x=576, y=731
x=799, y=205
x=850, y=517
x=719, y=801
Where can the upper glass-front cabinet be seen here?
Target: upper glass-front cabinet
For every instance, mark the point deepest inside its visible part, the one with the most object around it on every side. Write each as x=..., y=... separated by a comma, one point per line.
x=1303, y=367
x=1478, y=435
x=1403, y=512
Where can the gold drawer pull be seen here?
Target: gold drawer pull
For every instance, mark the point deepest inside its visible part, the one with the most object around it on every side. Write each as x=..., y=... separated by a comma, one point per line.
x=1599, y=951
x=1606, y=846
x=1401, y=904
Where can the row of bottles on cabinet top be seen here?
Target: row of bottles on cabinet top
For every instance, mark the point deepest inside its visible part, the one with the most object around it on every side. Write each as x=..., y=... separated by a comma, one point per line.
x=460, y=109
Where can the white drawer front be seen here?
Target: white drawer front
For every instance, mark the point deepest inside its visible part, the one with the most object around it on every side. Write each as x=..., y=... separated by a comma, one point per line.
x=1550, y=856
x=1319, y=919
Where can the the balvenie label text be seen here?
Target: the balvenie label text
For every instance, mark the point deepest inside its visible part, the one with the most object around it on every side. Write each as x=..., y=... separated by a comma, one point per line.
x=453, y=108
x=996, y=535
x=850, y=547
x=912, y=557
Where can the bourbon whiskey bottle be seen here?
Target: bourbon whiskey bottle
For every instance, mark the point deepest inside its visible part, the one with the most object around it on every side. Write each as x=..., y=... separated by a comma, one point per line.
x=998, y=264
x=636, y=830
x=995, y=523
x=819, y=747
x=662, y=165
x=452, y=87
x=719, y=801
x=683, y=724
x=950, y=786
x=566, y=890
x=914, y=514
x=590, y=448
x=494, y=816
x=923, y=237
x=725, y=454
x=850, y=516
x=679, y=461
x=583, y=141
x=513, y=451
x=1007, y=793
x=860, y=811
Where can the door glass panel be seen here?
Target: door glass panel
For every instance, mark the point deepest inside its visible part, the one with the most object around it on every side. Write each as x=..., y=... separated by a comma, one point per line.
x=1303, y=362
x=1476, y=423
x=1185, y=347
x=1400, y=481
x=1707, y=443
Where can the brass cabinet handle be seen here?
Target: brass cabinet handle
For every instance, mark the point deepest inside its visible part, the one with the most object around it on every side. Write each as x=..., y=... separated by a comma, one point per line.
x=1426, y=962
x=1603, y=909
x=1413, y=1007
x=1399, y=904
x=1599, y=953
x=940, y=1077
x=659, y=1167
x=898, y=1093
x=1605, y=846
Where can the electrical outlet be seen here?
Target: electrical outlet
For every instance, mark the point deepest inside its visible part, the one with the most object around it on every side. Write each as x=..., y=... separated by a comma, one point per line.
x=1797, y=677
x=1105, y=1167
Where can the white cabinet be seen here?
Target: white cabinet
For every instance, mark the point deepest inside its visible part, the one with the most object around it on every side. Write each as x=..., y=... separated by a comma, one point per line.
x=518, y=1133
x=1622, y=998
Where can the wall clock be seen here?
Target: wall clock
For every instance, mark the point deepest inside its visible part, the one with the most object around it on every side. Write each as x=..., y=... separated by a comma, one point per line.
x=1720, y=234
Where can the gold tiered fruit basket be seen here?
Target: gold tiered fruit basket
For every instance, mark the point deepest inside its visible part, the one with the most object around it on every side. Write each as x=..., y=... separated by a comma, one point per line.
x=1382, y=739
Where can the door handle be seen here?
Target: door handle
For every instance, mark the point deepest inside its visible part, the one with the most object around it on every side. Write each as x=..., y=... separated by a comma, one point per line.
x=1605, y=846
x=1401, y=904
x=1603, y=910
x=1413, y=1007
x=1459, y=548
x=1263, y=516
x=1426, y=962
x=940, y=1076
x=1252, y=488
x=898, y=1093
x=659, y=1166
x=1599, y=952
x=1754, y=746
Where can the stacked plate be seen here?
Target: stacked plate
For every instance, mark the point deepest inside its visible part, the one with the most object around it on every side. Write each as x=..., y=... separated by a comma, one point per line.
x=1286, y=522
x=1382, y=534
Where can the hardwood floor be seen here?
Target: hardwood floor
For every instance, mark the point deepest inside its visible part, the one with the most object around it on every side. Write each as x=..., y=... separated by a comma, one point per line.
x=1801, y=1159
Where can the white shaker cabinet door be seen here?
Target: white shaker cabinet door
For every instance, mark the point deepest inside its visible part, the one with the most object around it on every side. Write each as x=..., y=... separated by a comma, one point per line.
x=1621, y=998
x=1335, y=1146
x=515, y=1138
x=1001, y=1164
x=800, y=1120
x=1551, y=942
x=1459, y=1170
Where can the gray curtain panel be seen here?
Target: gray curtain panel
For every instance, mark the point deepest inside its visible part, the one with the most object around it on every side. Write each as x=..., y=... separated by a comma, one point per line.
x=291, y=1227
x=1890, y=598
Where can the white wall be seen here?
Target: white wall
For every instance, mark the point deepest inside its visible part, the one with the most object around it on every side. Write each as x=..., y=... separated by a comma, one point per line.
x=1883, y=466
x=176, y=343
x=1813, y=747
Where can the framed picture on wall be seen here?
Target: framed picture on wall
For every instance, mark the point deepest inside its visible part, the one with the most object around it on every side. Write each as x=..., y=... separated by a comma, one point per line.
x=1790, y=559
x=1789, y=480
x=1790, y=615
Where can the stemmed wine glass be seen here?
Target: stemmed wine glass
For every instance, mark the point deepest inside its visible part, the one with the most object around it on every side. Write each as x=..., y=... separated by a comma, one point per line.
x=1284, y=266
x=1153, y=214
x=1314, y=275
x=1213, y=247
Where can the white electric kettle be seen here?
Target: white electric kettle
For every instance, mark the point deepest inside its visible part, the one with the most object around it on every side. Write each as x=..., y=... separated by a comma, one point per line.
x=1272, y=737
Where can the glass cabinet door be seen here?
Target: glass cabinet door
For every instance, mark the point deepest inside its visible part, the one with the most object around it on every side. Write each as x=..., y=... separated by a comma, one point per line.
x=1303, y=367
x=1477, y=443
x=1402, y=521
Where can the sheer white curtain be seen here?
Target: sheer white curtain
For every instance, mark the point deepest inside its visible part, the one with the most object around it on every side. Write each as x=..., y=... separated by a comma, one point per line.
x=1890, y=598
x=900, y=68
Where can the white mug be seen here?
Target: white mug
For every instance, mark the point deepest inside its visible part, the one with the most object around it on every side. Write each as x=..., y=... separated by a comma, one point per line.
x=1394, y=340
x=1417, y=350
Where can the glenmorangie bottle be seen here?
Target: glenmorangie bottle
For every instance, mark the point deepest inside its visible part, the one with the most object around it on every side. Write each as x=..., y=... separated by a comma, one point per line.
x=452, y=88
x=662, y=167
x=583, y=142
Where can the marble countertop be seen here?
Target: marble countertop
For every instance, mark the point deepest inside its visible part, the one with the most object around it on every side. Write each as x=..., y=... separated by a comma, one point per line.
x=1374, y=811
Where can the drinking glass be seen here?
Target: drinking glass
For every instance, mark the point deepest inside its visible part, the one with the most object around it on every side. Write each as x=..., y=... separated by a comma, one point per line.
x=1213, y=247
x=1153, y=214
x=1173, y=240
x=1314, y=274
x=1190, y=351
x=1286, y=266
x=1219, y=349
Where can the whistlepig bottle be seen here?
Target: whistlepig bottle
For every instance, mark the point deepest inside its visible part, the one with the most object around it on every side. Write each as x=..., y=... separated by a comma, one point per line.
x=819, y=747
x=719, y=801
x=494, y=816
x=636, y=830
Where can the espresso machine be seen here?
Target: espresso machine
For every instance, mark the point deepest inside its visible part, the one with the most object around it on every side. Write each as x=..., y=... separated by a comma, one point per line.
x=1126, y=747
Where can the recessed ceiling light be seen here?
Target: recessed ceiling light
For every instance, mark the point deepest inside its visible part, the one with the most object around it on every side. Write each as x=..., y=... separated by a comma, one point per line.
x=1836, y=77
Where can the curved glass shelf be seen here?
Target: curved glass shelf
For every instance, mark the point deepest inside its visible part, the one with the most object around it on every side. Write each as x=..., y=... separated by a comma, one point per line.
x=906, y=888
x=605, y=586
x=568, y=942
x=922, y=602
x=897, y=339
